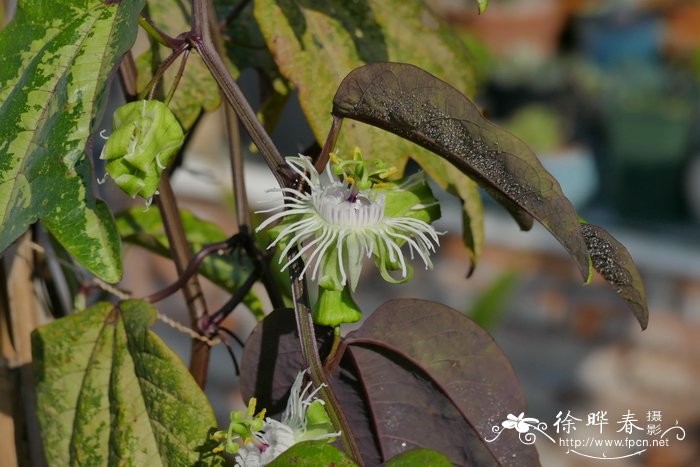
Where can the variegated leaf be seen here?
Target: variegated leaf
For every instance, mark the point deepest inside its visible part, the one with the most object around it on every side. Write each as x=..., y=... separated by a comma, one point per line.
x=55, y=64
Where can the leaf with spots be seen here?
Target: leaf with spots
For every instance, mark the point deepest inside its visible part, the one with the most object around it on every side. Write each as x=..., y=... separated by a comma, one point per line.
x=343, y=35
x=415, y=105
x=55, y=64
x=229, y=271
x=612, y=261
x=110, y=392
x=434, y=379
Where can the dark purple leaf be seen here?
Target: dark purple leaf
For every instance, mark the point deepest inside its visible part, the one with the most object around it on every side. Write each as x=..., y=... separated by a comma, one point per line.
x=414, y=104
x=612, y=261
x=350, y=393
x=410, y=411
x=434, y=379
x=272, y=358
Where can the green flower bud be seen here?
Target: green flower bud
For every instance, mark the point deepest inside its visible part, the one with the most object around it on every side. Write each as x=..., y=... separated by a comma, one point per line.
x=146, y=137
x=334, y=307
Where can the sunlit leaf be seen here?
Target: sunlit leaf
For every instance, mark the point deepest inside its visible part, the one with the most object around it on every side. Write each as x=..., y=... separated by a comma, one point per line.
x=110, y=392
x=316, y=43
x=612, y=261
x=434, y=379
x=197, y=90
x=55, y=64
x=230, y=271
x=312, y=454
x=412, y=103
x=482, y=4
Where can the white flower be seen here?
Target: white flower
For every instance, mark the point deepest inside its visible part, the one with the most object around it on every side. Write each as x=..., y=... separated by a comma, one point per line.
x=304, y=419
x=521, y=423
x=337, y=218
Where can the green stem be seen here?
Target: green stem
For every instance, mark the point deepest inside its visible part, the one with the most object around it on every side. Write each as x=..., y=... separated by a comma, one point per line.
x=170, y=59
x=158, y=35
x=334, y=350
x=178, y=77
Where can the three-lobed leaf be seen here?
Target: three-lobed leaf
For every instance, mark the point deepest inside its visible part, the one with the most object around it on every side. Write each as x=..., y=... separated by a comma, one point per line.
x=55, y=64
x=111, y=392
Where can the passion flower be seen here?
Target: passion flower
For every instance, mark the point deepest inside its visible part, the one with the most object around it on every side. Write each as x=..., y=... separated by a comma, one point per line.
x=337, y=224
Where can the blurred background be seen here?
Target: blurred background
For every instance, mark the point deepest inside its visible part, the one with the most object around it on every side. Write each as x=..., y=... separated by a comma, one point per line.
x=606, y=93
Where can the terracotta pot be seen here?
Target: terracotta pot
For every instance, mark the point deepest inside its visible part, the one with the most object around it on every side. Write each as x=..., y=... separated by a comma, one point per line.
x=508, y=27
x=683, y=28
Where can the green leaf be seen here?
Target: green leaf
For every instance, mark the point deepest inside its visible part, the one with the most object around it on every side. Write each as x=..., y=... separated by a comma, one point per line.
x=414, y=104
x=197, y=89
x=56, y=60
x=612, y=261
x=317, y=42
x=230, y=271
x=419, y=458
x=489, y=305
x=312, y=454
x=110, y=392
x=482, y=4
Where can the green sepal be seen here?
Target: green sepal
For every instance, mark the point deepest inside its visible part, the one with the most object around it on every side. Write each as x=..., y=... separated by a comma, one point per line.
x=329, y=276
x=318, y=422
x=355, y=258
x=334, y=307
x=411, y=197
x=145, y=139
